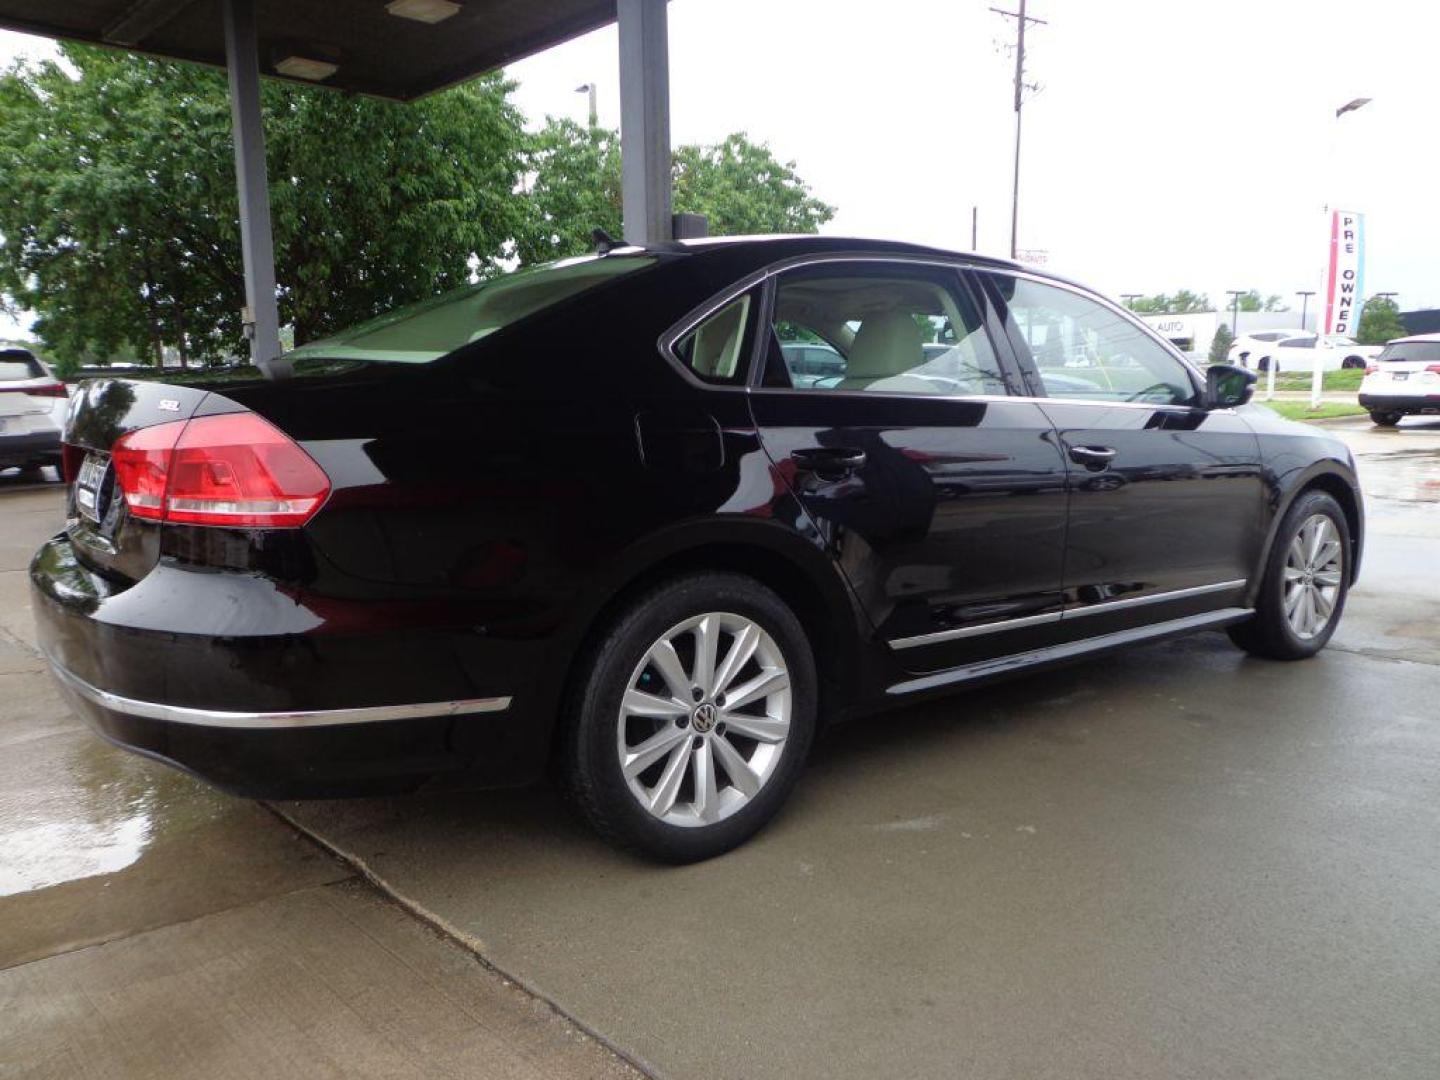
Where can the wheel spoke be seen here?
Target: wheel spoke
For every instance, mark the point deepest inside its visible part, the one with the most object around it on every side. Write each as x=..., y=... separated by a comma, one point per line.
x=767, y=682
x=662, y=799
x=1329, y=553
x=641, y=703
x=736, y=767
x=1317, y=538
x=741, y=649
x=664, y=657
x=1292, y=602
x=1328, y=578
x=764, y=729
x=1324, y=605
x=1307, y=612
x=1293, y=573
x=641, y=757
x=707, y=642
x=707, y=798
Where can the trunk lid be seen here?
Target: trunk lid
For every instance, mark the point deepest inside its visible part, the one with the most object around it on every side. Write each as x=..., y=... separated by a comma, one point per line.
x=107, y=537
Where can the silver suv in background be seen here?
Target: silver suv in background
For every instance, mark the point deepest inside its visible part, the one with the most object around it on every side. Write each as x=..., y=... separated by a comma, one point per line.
x=32, y=411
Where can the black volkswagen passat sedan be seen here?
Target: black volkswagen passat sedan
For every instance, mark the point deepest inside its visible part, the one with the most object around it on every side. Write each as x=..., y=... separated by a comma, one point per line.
x=583, y=517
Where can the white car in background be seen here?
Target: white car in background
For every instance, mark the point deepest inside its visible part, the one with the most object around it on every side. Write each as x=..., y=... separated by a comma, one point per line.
x=1258, y=344
x=32, y=411
x=1404, y=380
x=1298, y=353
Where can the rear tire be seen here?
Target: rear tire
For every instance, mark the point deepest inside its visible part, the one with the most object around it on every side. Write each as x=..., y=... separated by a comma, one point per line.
x=1307, y=578
x=1386, y=419
x=646, y=764
x=1352, y=362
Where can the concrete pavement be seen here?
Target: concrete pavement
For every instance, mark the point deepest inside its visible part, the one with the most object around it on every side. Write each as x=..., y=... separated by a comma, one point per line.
x=1174, y=862
x=151, y=927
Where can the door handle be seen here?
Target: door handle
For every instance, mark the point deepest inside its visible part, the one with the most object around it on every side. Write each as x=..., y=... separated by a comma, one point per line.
x=1094, y=458
x=829, y=462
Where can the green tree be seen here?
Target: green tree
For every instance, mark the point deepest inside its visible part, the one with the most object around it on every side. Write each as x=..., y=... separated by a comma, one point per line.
x=1184, y=302
x=574, y=189
x=1250, y=301
x=119, y=217
x=1220, y=344
x=1273, y=302
x=737, y=184
x=1379, y=322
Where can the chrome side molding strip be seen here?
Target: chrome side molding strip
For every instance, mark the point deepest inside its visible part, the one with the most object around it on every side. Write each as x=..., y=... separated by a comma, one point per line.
x=262, y=721
x=1055, y=654
x=1102, y=607
x=975, y=631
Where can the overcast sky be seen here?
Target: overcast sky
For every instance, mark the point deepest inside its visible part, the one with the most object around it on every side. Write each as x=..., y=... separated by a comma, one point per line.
x=1170, y=145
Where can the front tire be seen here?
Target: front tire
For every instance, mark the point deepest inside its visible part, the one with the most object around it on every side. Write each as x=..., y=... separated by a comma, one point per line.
x=692, y=719
x=1307, y=577
x=1385, y=419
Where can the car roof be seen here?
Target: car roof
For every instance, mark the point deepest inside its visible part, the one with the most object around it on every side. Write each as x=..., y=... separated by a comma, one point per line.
x=1413, y=337
x=785, y=245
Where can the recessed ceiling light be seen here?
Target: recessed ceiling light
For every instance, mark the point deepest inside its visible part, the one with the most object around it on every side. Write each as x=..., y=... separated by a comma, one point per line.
x=306, y=67
x=426, y=11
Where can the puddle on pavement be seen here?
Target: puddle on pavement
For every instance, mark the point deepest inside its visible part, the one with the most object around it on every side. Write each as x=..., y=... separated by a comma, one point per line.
x=1404, y=476
x=94, y=812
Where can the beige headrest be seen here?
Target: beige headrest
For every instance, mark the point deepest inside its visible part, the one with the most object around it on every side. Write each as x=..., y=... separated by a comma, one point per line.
x=887, y=343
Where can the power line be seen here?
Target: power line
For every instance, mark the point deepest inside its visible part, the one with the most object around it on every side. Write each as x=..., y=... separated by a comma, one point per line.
x=1021, y=21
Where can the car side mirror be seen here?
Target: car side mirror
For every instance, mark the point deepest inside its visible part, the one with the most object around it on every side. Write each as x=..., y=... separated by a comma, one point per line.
x=1228, y=386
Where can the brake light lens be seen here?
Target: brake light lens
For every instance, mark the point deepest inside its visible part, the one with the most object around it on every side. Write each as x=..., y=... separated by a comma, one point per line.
x=1370, y=369
x=1434, y=369
x=57, y=390
x=235, y=470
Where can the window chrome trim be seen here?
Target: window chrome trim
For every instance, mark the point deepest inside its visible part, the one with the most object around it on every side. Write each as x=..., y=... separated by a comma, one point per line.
x=959, y=264
x=1102, y=607
x=266, y=721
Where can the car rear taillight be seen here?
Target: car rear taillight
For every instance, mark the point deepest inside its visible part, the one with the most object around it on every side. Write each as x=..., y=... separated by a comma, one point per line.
x=1370, y=369
x=235, y=469
x=1433, y=368
x=49, y=390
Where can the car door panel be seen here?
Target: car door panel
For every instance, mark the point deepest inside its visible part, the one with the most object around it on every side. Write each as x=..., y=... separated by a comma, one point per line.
x=1166, y=499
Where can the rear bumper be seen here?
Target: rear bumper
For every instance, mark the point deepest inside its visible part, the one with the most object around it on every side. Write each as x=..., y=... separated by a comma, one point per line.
x=31, y=446
x=1411, y=403
x=270, y=715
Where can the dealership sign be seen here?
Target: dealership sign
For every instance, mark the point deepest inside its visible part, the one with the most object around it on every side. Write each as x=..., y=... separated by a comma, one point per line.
x=1344, y=285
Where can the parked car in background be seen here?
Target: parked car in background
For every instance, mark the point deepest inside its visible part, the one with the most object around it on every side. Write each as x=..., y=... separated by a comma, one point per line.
x=1404, y=380
x=811, y=362
x=1258, y=344
x=32, y=411
x=1298, y=354
x=582, y=519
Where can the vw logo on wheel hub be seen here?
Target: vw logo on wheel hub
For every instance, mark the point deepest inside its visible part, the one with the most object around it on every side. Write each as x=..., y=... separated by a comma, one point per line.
x=703, y=718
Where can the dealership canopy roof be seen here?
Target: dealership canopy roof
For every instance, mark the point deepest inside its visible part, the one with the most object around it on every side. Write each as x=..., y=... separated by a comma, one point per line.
x=399, y=49
x=375, y=51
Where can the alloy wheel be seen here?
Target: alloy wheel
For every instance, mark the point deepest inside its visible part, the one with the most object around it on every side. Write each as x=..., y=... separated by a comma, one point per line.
x=705, y=719
x=1314, y=570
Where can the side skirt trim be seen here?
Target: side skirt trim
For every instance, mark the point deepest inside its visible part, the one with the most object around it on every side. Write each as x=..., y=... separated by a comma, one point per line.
x=1069, y=650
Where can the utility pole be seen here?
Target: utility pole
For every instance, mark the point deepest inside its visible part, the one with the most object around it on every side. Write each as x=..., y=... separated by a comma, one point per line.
x=1021, y=20
x=974, y=228
x=1235, y=295
x=1304, y=305
x=1130, y=298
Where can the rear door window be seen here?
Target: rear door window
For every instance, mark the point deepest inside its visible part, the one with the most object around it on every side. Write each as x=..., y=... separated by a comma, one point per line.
x=882, y=328
x=16, y=366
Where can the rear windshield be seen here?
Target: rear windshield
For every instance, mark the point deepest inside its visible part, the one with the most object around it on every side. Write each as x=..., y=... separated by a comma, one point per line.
x=15, y=366
x=1422, y=352
x=418, y=333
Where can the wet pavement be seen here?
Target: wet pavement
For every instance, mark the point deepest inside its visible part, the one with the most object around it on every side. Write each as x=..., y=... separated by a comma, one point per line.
x=1175, y=861
x=153, y=927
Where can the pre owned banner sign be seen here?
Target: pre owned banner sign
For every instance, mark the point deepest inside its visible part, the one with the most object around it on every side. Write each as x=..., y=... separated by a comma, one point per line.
x=1344, y=285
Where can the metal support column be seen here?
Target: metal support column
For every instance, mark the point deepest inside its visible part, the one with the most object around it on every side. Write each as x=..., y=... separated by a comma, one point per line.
x=644, y=120
x=257, y=247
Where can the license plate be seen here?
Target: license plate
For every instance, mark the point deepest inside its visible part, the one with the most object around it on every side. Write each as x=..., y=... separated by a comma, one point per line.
x=89, y=483
x=1400, y=376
